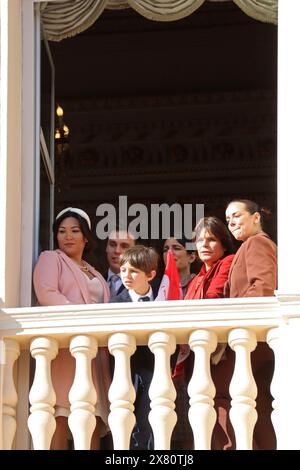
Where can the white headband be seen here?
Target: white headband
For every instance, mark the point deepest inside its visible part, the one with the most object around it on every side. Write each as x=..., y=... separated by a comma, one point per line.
x=77, y=211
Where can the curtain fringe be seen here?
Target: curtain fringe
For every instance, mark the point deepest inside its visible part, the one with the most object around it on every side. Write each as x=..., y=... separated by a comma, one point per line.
x=66, y=18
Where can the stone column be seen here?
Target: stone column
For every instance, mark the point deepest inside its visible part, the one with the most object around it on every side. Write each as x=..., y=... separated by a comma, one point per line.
x=243, y=390
x=288, y=147
x=121, y=393
x=12, y=352
x=201, y=389
x=162, y=393
x=41, y=421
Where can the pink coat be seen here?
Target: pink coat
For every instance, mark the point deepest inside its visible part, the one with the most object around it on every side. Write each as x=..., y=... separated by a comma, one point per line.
x=59, y=281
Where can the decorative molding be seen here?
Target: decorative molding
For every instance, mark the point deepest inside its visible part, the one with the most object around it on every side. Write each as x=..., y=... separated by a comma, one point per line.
x=182, y=317
x=134, y=136
x=153, y=101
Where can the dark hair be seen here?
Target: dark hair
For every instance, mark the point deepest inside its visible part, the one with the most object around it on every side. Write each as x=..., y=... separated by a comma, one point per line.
x=141, y=257
x=183, y=241
x=119, y=228
x=219, y=230
x=91, y=245
x=253, y=207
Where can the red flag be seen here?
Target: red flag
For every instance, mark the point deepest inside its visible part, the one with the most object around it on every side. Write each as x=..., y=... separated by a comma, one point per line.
x=170, y=286
x=170, y=289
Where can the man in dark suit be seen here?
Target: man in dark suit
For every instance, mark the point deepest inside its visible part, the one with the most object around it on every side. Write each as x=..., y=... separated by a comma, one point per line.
x=138, y=267
x=118, y=242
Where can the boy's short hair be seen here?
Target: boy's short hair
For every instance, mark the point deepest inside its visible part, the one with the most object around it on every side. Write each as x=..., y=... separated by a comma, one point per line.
x=141, y=257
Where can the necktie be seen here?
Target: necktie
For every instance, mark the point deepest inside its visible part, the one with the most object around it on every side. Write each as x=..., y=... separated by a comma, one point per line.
x=113, y=284
x=144, y=299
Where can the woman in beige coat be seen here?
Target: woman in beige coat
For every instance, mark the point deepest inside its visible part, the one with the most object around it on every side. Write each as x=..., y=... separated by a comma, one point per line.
x=253, y=273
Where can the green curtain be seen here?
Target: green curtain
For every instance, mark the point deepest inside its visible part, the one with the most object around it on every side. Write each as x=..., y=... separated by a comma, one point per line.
x=262, y=10
x=66, y=18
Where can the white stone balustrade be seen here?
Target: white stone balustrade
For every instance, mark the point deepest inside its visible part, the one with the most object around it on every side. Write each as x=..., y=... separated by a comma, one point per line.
x=121, y=393
x=10, y=398
x=243, y=388
x=201, y=389
x=82, y=395
x=162, y=393
x=245, y=318
x=273, y=340
x=41, y=421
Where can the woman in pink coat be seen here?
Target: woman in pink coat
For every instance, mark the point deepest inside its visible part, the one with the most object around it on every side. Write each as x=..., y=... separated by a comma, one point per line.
x=62, y=277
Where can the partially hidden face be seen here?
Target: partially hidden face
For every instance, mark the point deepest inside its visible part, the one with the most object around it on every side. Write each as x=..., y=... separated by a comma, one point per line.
x=240, y=222
x=182, y=257
x=70, y=238
x=117, y=244
x=135, y=279
x=209, y=248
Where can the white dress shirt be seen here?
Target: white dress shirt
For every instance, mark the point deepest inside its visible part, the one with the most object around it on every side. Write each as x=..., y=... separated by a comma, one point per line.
x=135, y=297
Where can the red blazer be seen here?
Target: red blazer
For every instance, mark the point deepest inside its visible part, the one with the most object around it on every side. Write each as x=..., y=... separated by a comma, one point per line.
x=253, y=272
x=210, y=284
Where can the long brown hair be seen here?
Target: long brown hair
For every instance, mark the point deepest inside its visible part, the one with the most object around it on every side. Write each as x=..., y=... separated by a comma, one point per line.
x=219, y=230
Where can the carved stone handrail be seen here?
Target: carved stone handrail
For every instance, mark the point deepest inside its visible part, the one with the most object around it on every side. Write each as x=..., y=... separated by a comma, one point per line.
x=182, y=316
x=256, y=317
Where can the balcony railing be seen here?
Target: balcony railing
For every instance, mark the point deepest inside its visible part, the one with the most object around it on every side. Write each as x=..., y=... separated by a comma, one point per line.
x=202, y=324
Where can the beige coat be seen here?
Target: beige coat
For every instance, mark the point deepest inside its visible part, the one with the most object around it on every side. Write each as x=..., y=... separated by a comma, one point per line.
x=253, y=272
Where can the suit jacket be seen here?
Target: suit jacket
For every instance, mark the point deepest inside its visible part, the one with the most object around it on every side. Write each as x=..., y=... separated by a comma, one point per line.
x=253, y=272
x=155, y=283
x=59, y=281
x=122, y=296
x=121, y=288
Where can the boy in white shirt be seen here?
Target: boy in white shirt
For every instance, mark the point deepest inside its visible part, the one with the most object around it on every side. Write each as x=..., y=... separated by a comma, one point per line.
x=138, y=267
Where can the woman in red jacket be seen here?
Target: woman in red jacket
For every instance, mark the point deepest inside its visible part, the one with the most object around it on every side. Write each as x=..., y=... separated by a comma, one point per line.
x=215, y=247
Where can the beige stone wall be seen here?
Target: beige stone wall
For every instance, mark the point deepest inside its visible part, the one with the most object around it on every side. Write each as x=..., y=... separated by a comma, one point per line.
x=10, y=150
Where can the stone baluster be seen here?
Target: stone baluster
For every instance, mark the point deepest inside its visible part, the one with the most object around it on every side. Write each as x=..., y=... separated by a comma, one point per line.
x=243, y=388
x=121, y=393
x=83, y=395
x=162, y=393
x=41, y=421
x=10, y=398
x=273, y=340
x=201, y=389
